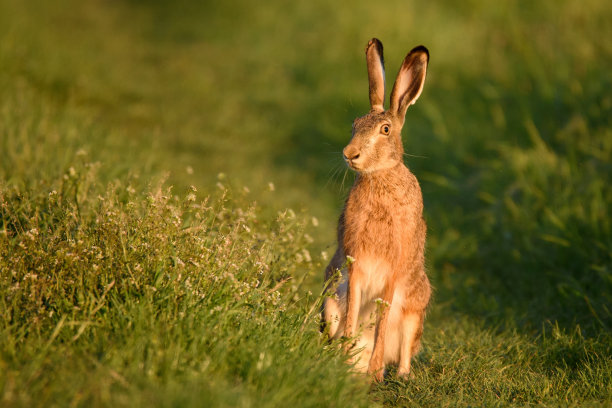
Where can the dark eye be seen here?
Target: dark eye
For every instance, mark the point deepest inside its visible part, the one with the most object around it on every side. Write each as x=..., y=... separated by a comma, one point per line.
x=385, y=129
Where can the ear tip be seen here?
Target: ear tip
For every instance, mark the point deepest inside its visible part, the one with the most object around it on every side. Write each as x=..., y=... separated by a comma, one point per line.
x=420, y=49
x=376, y=43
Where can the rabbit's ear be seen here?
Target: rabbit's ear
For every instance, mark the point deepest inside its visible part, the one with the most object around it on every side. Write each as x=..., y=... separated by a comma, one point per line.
x=410, y=80
x=376, y=73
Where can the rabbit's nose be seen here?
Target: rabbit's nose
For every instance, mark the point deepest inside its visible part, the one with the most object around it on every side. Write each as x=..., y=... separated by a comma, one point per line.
x=350, y=153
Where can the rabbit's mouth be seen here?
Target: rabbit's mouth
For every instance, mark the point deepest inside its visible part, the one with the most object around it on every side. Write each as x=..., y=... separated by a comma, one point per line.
x=353, y=157
x=353, y=164
x=367, y=167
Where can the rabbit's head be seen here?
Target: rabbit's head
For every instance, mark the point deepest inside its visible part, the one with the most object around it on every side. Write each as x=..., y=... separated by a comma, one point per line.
x=377, y=137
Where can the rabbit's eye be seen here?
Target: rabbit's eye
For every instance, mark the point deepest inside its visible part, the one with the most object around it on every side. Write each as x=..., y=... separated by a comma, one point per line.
x=385, y=129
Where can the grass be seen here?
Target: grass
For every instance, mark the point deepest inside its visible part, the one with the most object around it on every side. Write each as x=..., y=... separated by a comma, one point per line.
x=150, y=295
x=170, y=178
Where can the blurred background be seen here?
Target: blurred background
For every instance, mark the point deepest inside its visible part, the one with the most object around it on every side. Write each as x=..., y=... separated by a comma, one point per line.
x=511, y=138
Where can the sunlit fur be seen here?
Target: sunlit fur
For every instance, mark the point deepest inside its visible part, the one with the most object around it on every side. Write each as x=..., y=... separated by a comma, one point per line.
x=382, y=295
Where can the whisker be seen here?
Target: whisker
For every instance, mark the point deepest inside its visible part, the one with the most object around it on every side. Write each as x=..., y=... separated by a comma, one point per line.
x=416, y=156
x=343, y=179
x=331, y=174
x=336, y=168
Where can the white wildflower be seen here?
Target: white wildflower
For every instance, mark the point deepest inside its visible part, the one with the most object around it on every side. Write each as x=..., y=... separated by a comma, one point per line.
x=381, y=302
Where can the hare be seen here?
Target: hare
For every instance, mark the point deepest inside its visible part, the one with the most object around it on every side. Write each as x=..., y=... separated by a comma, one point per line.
x=383, y=291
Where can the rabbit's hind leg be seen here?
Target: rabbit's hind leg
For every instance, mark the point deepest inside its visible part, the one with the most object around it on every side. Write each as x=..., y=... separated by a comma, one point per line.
x=334, y=312
x=412, y=329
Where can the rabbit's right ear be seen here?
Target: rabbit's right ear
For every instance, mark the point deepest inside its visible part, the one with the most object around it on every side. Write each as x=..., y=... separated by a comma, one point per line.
x=410, y=80
x=376, y=73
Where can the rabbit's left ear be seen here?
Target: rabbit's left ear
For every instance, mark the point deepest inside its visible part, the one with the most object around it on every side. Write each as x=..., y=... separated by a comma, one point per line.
x=376, y=74
x=410, y=79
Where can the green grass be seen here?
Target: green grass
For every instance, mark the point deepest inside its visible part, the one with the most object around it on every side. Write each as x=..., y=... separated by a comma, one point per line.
x=145, y=258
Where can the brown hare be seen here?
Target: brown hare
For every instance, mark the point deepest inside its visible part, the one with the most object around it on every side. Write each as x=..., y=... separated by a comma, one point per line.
x=383, y=291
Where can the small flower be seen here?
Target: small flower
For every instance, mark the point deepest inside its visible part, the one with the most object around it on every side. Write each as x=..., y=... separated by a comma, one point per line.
x=315, y=222
x=380, y=303
x=349, y=259
x=324, y=255
x=271, y=186
x=189, y=170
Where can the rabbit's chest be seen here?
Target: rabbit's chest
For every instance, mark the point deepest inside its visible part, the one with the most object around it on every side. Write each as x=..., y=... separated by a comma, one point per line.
x=374, y=227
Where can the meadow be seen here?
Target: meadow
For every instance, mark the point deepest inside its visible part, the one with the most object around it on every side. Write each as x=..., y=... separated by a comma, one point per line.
x=171, y=177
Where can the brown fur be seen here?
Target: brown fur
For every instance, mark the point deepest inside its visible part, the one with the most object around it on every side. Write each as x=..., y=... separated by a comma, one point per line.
x=384, y=292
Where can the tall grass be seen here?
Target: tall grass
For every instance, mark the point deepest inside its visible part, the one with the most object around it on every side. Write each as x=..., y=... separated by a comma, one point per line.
x=160, y=299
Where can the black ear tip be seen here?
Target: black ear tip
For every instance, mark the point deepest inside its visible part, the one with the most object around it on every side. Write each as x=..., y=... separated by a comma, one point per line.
x=420, y=49
x=376, y=43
